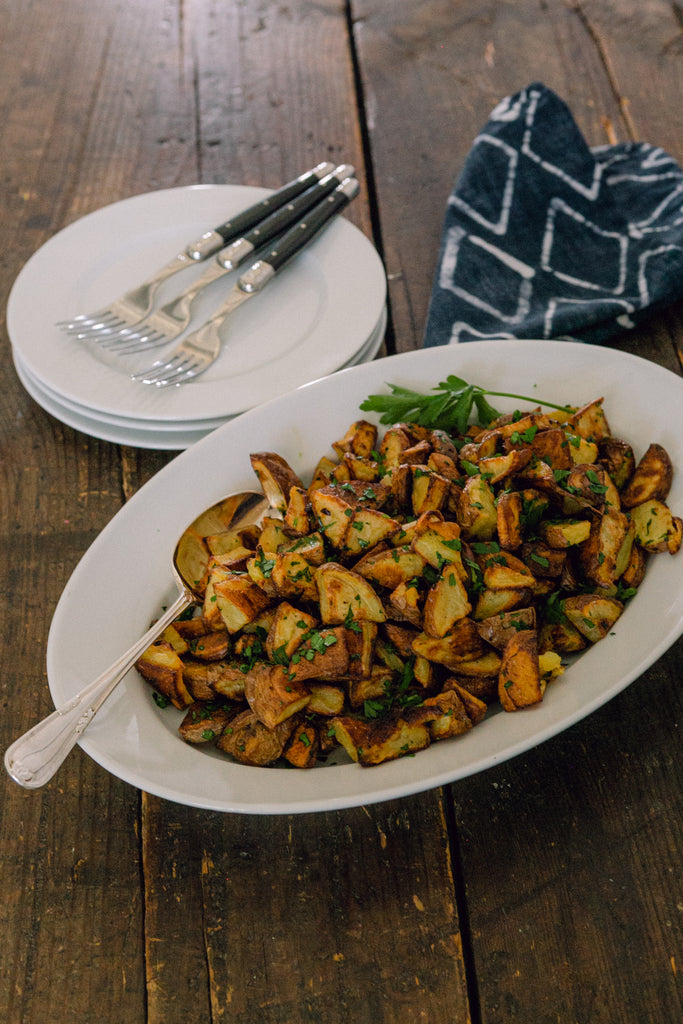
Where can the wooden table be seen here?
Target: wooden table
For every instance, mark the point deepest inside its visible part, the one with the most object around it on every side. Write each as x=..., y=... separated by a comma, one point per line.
x=544, y=890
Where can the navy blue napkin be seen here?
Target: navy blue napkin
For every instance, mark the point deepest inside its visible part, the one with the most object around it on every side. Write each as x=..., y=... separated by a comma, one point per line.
x=545, y=237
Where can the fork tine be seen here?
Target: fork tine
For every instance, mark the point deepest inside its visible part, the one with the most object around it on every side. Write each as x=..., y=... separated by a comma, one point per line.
x=127, y=345
x=158, y=368
x=101, y=329
x=180, y=377
x=187, y=370
x=189, y=359
x=161, y=373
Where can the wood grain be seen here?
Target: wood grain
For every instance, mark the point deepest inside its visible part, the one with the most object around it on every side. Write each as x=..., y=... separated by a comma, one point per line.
x=570, y=855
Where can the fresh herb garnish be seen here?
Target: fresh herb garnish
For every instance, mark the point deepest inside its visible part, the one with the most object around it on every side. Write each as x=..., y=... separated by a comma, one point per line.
x=449, y=407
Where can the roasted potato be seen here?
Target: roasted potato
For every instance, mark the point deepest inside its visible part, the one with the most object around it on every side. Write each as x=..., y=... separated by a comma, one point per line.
x=415, y=581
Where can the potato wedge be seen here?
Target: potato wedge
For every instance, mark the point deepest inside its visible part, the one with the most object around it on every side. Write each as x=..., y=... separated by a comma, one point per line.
x=390, y=567
x=250, y=742
x=592, y=615
x=205, y=721
x=498, y=629
x=162, y=667
x=446, y=603
x=276, y=477
x=272, y=694
x=391, y=737
x=477, y=513
x=651, y=479
x=519, y=680
x=344, y=596
x=656, y=529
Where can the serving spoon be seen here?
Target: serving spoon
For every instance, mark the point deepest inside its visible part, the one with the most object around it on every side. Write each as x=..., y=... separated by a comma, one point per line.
x=34, y=758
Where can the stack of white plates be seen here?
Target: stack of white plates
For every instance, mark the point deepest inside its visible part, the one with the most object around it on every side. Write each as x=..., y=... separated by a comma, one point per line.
x=323, y=312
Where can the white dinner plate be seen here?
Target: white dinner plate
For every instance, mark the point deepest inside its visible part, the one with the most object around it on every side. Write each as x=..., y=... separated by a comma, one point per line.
x=172, y=439
x=128, y=567
x=160, y=436
x=311, y=319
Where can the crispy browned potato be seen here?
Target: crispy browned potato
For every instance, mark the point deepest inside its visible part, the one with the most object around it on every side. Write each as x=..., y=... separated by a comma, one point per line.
x=344, y=594
x=519, y=681
x=374, y=686
x=326, y=699
x=232, y=600
x=390, y=567
x=415, y=581
x=323, y=654
x=498, y=467
x=361, y=469
x=400, y=637
x=561, y=637
x=461, y=643
x=276, y=477
x=437, y=541
x=288, y=628
x=498, y=629
x=651, y=479
x=301, y=749
x=250, y=742
x=404, y=604
x=161, y=666
x=272, y=694
x=293, y=577
x=477, y=512
x=446, y=603
x=453, y=718
x=618, y=459
x=599, y=555
x=360, y=439
x=509, y=509
x=429, y=490
x=396, y=735
x=565, y=533
x=656, y=529
x=592, y=615
x=394, y=443
x=297, y=520
x=544, y=561
x=205, y=680
x=205, y=721
x=504, y=571
x=590, y=422
x=497, y=602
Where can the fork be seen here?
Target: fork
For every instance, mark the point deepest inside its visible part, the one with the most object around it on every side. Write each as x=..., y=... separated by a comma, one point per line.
x=135, y=305
x=170, y=321
x=201, y=348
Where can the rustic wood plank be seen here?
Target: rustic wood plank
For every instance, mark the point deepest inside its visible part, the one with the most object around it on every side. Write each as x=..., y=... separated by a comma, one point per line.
x=67, y=938
x=275, y=92
x=357, y=918
x=71, y=907
x=307, y=917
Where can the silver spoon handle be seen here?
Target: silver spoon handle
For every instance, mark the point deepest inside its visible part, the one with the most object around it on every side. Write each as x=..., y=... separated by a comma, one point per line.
x=34, y=758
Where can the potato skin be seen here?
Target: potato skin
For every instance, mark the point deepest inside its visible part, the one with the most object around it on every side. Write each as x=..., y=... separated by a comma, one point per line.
x=162, y=667
x=273, y=695
x=519, y=680
x=651, y=479
x=250, y=742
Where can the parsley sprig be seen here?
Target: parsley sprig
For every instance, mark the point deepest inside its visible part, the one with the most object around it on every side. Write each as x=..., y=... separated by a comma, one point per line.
x=448, y=408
